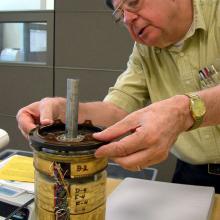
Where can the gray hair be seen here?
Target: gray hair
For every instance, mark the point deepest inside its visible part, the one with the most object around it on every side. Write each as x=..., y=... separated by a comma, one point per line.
x=109, y=4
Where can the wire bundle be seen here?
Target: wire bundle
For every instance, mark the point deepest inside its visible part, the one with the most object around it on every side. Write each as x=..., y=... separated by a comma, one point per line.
x=61, y=192
x=69, y=187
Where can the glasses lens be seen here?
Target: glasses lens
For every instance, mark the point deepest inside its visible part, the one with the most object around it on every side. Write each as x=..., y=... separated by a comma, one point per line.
x=118, y=16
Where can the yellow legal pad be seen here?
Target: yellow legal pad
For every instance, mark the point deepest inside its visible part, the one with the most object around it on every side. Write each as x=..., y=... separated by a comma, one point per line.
x=18, y=168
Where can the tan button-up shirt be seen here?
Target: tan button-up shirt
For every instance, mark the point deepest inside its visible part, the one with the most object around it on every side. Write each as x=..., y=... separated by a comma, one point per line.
x=161, y=73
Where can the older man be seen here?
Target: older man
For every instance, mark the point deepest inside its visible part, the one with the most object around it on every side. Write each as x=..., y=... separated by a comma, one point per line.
x=174, y=62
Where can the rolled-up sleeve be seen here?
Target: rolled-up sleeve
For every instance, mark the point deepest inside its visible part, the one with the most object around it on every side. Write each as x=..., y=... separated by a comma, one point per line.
x=130, y=91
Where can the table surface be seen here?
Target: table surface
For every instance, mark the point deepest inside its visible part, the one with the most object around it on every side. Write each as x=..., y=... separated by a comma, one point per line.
x=112, y=184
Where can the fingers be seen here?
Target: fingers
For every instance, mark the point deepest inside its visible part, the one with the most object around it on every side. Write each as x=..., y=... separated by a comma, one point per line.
x=43, y=112
x=125, y=146
x=46, y=111
x=135, y=151
x=142, y=159
x=26, y=122
x=117, y=130
x=155, y=127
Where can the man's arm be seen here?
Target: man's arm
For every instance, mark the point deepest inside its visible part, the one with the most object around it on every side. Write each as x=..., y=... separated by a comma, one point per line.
x=49, y=109
x=211, y=97
x=155, y=129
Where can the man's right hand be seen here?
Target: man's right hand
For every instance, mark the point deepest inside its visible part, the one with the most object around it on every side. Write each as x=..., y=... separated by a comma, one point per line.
x=43, y=112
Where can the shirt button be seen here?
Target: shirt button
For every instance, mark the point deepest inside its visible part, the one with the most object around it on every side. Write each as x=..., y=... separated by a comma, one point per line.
x=181, y=54
x=207, y=136
x=188, y=82
x=157, y=50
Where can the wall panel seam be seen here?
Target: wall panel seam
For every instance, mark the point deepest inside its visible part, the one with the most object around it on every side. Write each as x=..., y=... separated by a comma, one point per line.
x=90, y=69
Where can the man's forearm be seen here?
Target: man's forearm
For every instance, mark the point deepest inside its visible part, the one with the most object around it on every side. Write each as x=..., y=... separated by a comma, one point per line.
x=211, y=97
x=100, y=113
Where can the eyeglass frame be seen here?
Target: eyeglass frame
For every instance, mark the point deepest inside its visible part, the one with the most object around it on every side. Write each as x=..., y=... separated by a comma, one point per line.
x=119, y=10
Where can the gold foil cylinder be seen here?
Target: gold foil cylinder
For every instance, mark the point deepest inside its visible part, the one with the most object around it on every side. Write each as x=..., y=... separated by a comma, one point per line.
x=44, y=214
x=44, y=192
x=79, y=166
x=70, y=181
x=97, y=214
x=86, y=198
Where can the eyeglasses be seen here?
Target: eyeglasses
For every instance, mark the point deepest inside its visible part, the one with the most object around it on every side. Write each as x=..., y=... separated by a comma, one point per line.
x=128, y=5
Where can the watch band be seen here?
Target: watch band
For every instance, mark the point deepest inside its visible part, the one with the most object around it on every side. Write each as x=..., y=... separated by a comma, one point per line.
x=196, y=124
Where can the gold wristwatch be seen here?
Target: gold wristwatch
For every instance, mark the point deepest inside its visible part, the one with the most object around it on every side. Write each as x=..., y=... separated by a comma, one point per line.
x=197, y=109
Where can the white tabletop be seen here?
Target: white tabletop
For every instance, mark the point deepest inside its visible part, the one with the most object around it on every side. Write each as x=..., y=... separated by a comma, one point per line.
x=137, y=199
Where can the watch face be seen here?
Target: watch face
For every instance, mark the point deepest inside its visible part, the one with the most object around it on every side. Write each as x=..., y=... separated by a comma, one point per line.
x=198, y=108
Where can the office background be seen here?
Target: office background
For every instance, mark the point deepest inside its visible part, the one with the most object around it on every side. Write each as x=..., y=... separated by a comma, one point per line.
x=42, y=43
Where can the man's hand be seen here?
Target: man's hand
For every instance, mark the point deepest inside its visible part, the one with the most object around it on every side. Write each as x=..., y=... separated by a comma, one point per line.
x=43, y=112
x=152, y=132
x=47, y=110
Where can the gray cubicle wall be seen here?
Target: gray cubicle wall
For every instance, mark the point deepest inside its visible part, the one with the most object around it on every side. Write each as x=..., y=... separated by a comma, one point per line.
x=22, y=83
x=89, y=46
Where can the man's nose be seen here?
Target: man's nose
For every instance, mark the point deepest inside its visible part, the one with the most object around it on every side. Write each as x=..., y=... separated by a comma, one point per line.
x=129, y=16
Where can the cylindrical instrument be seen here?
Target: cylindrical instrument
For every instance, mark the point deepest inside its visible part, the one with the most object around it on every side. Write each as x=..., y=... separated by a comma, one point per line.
x=69, y=181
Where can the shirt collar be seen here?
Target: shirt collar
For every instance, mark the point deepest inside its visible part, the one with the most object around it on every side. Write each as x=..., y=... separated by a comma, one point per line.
x=198, y=23
x=198, y=19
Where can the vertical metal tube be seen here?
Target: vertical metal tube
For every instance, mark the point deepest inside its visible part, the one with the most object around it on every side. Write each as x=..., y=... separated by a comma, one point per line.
x=72, y=105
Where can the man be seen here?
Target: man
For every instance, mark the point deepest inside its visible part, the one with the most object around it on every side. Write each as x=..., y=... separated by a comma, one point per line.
x=176, y=43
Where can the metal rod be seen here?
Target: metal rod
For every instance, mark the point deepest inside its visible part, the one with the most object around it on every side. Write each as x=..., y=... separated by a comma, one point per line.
x=72, y=105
